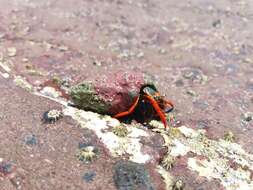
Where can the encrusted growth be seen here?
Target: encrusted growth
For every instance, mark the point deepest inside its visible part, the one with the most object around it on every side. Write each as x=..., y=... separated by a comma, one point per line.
x=85, y=97
x=129, y=145
x=218, y=154
x=120, y=131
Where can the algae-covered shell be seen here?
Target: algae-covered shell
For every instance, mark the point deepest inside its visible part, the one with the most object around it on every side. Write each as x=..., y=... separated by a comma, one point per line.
x=111, y=93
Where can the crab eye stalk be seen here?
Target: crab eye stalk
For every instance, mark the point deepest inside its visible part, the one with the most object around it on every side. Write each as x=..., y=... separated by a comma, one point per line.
x=148, y=89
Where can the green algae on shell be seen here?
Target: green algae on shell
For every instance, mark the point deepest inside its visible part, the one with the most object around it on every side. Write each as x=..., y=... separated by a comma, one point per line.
x=109, y=94
x=85, y=97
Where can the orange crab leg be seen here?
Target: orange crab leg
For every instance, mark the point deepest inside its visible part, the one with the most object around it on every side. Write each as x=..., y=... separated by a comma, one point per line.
x=131, y=109
x=157, y=109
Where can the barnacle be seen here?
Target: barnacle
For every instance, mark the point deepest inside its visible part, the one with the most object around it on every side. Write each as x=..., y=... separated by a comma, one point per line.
x=52, y=116
x=229, y=136
x=175, y=132
x=120, y=131
x=178, y=185
x=87, y=154
x=168, y=162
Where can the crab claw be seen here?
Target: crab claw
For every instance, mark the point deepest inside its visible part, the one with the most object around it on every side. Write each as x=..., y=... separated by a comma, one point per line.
x=168, y=106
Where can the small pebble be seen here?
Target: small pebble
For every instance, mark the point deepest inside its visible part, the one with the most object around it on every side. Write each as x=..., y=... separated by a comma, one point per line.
x=63, y=48
x=5, y=75
x=191, y=93
x=162, y=51
x=248, y=116
x=140, y=55
x=216, y=23
x=12, y=51
x=17, y=181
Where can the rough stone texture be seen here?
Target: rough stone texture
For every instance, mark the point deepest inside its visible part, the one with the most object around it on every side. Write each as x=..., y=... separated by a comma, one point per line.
x=44, y=155
x=200, y=52
x=130, y=176
x=50, y=161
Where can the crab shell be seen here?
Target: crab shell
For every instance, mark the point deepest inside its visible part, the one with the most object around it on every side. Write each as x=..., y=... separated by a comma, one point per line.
x=111, y=93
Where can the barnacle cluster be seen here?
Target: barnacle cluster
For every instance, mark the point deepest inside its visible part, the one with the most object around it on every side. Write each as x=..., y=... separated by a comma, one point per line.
x=170, y=182
x=216, y=157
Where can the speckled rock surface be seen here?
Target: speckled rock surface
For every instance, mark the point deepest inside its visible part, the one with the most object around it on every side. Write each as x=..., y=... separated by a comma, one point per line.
x=200, y=54
x=43, y=156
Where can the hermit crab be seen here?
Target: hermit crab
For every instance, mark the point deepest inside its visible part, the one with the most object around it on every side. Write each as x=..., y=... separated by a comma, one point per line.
x=123, y=95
